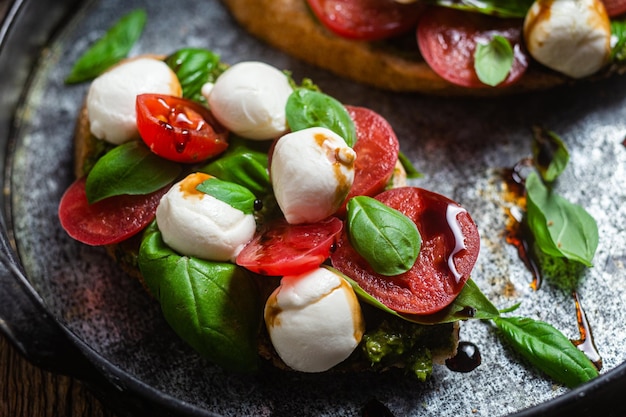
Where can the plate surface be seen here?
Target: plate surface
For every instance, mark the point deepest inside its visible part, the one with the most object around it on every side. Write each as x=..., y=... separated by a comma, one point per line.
x=461, y=147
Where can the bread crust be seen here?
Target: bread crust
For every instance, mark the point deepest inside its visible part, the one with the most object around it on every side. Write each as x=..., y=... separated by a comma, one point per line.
x=289, y=25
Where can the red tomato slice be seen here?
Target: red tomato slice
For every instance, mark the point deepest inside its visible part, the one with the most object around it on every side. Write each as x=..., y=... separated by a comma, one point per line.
x=366, y=19
x=447, y=39
x=450, y=245
x=286, y=249
x=615, y=7
x=377, y=150
x=108, y=221
x=178, y=129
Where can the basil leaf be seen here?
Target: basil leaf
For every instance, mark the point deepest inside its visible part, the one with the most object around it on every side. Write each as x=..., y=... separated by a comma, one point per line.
x=242, y=165
x=549, y=153
x=213, y=306
x=560, y=228
x=502, y=8
x=129, y=168
x=386, y=238
x=411, y=171
x=471, y=303
x=493, y=61
x=618, y=36
x=307, y=108
x=195, y=67
x=110, y=49
x=230, y=193
x=547, y=349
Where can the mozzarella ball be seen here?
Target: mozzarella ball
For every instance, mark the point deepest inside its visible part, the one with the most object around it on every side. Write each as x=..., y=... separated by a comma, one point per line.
x=312, y=171
x=196, y=224
x=314, y=320
x=570, y=36
x=111, y=97
x=249, y=99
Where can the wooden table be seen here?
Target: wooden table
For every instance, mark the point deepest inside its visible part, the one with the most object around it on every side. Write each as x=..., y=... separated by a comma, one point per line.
x=28, y=391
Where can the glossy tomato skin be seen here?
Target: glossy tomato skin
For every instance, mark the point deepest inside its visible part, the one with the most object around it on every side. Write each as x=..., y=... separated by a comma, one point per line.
x=450, y=246
x=615, y=7
x=108, y=221
x=377, y=149
x=447, y=39
x=178, y=129
x=285, y=249
x=366, y=20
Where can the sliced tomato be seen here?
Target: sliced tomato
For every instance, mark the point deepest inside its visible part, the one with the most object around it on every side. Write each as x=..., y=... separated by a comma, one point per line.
x=367, y=19
x=615, y=7
x=447, y=39
x=108, y=221
x=450, y=246
x=286, y=249
x=178, y=129
x=377, y=150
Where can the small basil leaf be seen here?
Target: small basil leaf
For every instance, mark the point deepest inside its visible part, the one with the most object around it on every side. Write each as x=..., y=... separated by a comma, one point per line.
x=307, y=108
x=213, y=306
x=129, y=168
x=493, y=61
x=195, y=67
x=471, y=303
x=547, y=349
x=242, y=165
x=110, y=49
x=230, y=193
x=386, y=238
x=411, y=171
x=560, y=228
x=549, y=153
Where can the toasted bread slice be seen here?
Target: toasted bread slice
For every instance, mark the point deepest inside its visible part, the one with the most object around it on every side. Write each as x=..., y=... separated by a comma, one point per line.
x=440, y=340
x=290, y=26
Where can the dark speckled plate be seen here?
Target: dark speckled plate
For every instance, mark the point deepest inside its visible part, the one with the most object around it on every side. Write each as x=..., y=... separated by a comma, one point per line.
x=112, y=334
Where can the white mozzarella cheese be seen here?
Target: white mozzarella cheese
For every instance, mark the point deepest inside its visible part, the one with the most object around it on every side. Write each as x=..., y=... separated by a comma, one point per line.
x=111, y=97
x=314, y=320
x=312, y=171
x=249, y=99
x=570, y=36
x=196, y=224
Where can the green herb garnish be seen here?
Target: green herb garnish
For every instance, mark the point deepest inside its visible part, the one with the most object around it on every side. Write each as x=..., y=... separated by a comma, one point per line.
x=547, y=349
x=130, y=168
x=230, y=193
x=307, y=108
x=386, y=238
x=560, y=228
x=493, y=60
x=110, y=49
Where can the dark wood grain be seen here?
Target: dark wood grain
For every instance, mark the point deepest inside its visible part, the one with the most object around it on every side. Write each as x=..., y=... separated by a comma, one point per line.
x=28, y=391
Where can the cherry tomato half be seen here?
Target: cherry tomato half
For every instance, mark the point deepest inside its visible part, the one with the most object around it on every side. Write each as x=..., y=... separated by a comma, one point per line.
x=615, y=7
x=450, y=245
x=286, y=249
x=108, y=221
x=377, y=150
x=447, y=39
x=366, y=19
x=178, y=129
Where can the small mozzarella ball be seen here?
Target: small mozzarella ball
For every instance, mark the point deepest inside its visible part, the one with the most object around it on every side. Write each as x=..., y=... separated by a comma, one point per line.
x=196, y=224
x=314, y=320
x=249, y=99
x=569, y=36
x=112, y=96
x=312, y=171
